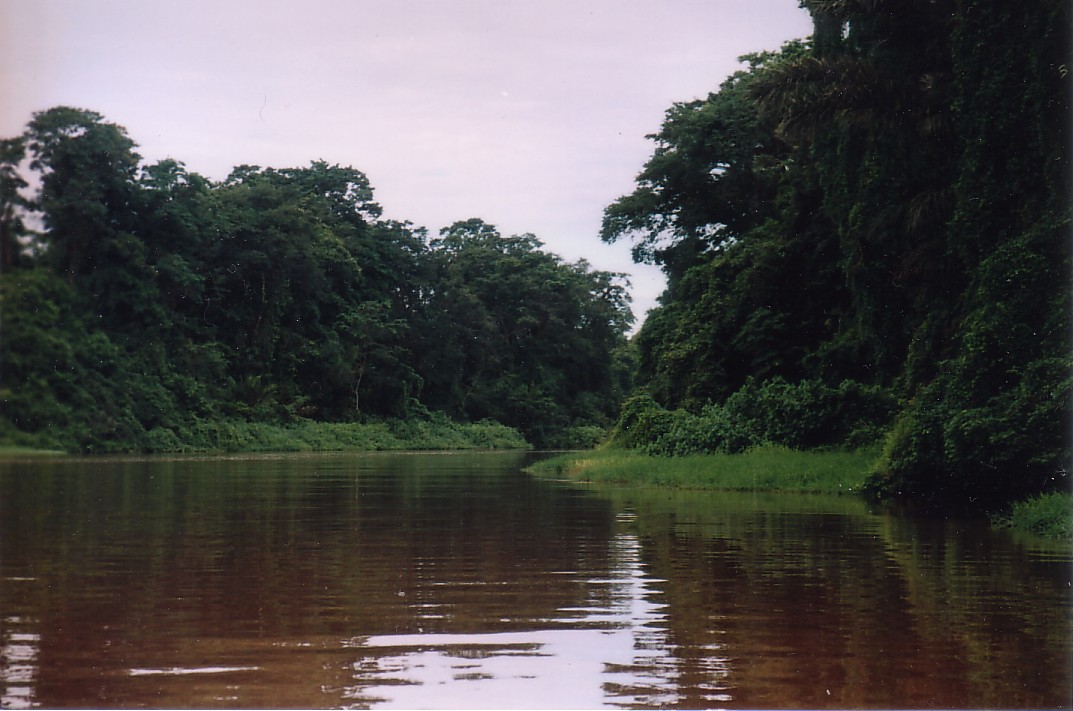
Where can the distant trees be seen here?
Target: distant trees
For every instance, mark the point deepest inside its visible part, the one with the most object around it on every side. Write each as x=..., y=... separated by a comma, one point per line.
x=518, y=336
x=153, y=297
x=885, y=205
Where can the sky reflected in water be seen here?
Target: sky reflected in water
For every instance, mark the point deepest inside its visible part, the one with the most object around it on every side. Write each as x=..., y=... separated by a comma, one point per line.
x=457, y=581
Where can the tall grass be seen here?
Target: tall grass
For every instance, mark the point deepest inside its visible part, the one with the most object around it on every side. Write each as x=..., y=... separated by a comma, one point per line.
x=1047, y=516
x=19, y=452
x=769, y=467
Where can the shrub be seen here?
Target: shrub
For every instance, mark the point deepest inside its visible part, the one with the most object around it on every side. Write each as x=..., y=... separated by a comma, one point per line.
x=811, y=413
x=1046, y=515
x=801, y=416
x=641, y=421
x=577, y=437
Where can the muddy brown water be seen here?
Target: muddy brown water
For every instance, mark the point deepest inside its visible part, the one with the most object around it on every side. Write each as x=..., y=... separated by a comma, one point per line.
x=457, y=580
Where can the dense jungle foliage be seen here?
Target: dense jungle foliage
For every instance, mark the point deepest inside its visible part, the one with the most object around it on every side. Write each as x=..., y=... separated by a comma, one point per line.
x=869, y=232
x=866, y=238
x=147, y=308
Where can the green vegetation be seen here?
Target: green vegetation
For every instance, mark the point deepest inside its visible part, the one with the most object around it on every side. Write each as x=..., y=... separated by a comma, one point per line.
x=13, y=452
x=303, y=435
x=763, y=468
x=1047, y=516
x=866, y=238
x=155, y=310
x=307, y=435
x=801, y=415
x=774, y=468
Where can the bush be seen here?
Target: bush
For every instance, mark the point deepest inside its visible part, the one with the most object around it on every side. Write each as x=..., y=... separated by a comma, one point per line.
x=641, y=421
x=948, y=451
x=810, y=413
x=804, y=415
x=163, y=440
x=577, y=437
x=714, y=430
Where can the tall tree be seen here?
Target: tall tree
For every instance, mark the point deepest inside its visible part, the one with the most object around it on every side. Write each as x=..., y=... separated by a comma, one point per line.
x=707, y=182
x=12, y=202
x=917, y=216
x=871, y=106
x=277, y=293
x=732, y=210
x=88, y=169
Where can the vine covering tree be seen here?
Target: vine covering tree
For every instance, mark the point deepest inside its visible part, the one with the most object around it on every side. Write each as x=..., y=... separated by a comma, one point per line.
x=886, y=205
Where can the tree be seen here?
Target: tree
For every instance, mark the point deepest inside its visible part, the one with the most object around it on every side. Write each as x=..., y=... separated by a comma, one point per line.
x=12, y=202
x=516, y=335
x=88, y=172
x=913, y=234
x=276, y=294
x=313, y=294
x=705, y=184
x=988, y=419
x=870, y=105
x=733, y=212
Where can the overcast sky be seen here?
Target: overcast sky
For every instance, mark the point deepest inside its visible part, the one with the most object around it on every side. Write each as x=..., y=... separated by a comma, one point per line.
x=531, y=115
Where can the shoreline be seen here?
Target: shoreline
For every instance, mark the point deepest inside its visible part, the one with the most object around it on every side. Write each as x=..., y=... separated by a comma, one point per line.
x=774, y=469
x=238, y=436
x=767, y=468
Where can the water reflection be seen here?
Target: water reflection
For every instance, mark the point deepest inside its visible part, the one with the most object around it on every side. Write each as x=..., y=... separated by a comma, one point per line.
x=611, y=650
x=438, y=581
x=817, y=602
x=18, y=661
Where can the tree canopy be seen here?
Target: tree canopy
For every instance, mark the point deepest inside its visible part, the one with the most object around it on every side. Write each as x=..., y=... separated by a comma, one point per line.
x=152, y=297
x=886, y=205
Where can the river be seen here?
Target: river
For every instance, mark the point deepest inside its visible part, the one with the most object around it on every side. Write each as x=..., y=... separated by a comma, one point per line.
x=456, y=580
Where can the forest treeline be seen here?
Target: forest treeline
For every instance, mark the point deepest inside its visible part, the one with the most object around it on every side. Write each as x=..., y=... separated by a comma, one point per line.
x=143, y=304
x=866, y=236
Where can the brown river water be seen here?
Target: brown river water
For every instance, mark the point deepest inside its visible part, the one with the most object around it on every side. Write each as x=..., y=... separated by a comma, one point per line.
x=457, y=580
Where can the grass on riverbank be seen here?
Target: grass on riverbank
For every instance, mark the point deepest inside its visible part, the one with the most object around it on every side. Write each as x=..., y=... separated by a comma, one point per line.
x=1047, y=516
x=769, y=467
x=235, y=436
x=310, y=436
x=19, y=452
x=775, y=468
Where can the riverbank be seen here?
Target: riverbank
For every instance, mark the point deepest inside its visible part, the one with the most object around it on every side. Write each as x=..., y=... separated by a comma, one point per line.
x=769, y=467
x=236, y=436
x=1047, y=516
x=776, y=468
x=16, y=452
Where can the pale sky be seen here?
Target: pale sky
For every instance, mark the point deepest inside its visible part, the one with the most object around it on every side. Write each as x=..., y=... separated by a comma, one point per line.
x=530, y=115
